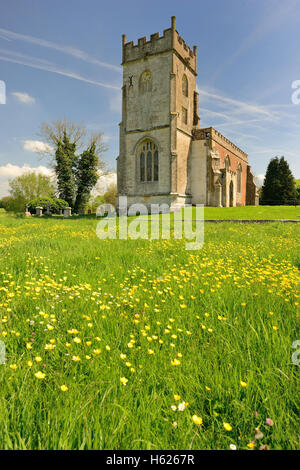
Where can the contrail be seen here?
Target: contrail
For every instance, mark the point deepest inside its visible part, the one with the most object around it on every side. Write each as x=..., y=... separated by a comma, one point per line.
x=53, y=68
x=78, y=53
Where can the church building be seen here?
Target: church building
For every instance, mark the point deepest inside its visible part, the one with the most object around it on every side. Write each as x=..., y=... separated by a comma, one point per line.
x=165, y=157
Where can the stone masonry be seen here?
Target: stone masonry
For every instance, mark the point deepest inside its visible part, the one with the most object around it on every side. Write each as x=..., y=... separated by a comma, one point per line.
x=165, y=157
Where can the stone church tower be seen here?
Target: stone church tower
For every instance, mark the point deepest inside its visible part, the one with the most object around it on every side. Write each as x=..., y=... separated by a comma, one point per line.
x=164, y=155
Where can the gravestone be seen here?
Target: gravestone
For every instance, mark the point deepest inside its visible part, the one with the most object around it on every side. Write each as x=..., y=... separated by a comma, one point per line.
x=27, y=213
x=67, y=212
x=39, y=211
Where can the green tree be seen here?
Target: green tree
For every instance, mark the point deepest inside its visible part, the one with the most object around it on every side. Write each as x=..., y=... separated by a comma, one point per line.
x=110, y=196
x=77, y=174
x=279, y=186
x=86, y=176
x=11, y=204
x=288, y=186
x=66, y=160
x=95, y=202
x=31, y=185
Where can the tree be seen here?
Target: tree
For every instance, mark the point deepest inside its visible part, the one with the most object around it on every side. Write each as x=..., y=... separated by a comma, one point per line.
x=11, y=204
x=279, y=186
x=31, y=185
x=65, y=163
x=86, y=176
x=95, y=202
x=110, y=196
x=76, y=173
x=288, y=186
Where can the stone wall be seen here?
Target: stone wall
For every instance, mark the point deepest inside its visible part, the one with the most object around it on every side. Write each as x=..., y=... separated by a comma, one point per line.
x=252, y=198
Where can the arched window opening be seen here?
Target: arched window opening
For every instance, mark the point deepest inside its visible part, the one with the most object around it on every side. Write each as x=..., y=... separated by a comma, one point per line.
x=185, y=86
x=239, y=178
x=149, y=166
x=155, y=177
x=142, y=166
x=148, y=156
x=145, y=84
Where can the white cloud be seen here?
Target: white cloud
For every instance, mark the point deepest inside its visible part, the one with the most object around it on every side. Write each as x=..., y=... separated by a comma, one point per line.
x=10, y=171
x=259, y=180
x=2, y=92
x=36, y=146
x=103, y=182
x=24, y=97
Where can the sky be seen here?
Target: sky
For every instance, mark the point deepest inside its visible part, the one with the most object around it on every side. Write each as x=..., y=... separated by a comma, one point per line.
x=62, y=59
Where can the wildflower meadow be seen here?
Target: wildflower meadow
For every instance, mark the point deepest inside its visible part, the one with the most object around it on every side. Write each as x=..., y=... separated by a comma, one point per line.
x=139, y=344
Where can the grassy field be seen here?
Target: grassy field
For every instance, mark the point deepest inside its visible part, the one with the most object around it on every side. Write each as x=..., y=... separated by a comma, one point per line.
x=253, y=212
x=119, y=344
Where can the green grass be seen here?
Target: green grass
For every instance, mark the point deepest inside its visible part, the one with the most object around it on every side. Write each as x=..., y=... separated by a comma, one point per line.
x=227, y=313
x=253, y=212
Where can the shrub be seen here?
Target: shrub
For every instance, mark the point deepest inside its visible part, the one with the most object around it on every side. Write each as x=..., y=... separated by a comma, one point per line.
x=55, y=204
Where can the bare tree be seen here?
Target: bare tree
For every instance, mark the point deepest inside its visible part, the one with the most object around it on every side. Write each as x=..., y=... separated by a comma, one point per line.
x=53, y=133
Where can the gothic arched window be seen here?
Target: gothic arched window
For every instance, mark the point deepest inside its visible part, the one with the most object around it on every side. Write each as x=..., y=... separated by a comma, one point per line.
x=185, y=86
x=148, y=157
x=145, y=84
x=239, y=178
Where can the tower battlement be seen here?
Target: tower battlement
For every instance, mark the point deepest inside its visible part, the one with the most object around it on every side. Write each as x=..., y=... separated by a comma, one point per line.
x=170, y=40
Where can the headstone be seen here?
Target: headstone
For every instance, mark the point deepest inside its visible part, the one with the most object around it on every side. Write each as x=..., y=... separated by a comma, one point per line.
x=39, y=211
x=81, y=212
x=67, y=212
x=60, y=211
x=48, y=209
x=27, y=213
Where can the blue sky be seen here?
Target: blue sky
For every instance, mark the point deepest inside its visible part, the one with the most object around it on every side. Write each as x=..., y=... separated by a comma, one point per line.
x=62, y=59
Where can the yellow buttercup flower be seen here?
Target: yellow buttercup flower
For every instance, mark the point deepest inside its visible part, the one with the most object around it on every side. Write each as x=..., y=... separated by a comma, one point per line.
x=175, y=362
x=64, y=388
x=40, y=375
x=197, y=420
x=123, y=380
x=227, y=426
x=243, y=384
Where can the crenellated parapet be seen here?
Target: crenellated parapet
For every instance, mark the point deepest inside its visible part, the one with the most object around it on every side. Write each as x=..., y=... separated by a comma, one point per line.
x=200, y=134
x=170, y=40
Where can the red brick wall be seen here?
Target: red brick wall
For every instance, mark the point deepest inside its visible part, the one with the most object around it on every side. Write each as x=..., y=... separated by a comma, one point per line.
x=234, y=161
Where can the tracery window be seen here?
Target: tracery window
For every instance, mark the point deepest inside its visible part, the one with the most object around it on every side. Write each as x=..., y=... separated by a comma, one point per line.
x=148, y=156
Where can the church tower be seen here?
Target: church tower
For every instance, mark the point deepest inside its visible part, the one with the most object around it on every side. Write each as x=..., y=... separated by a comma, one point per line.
x=159, y=115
